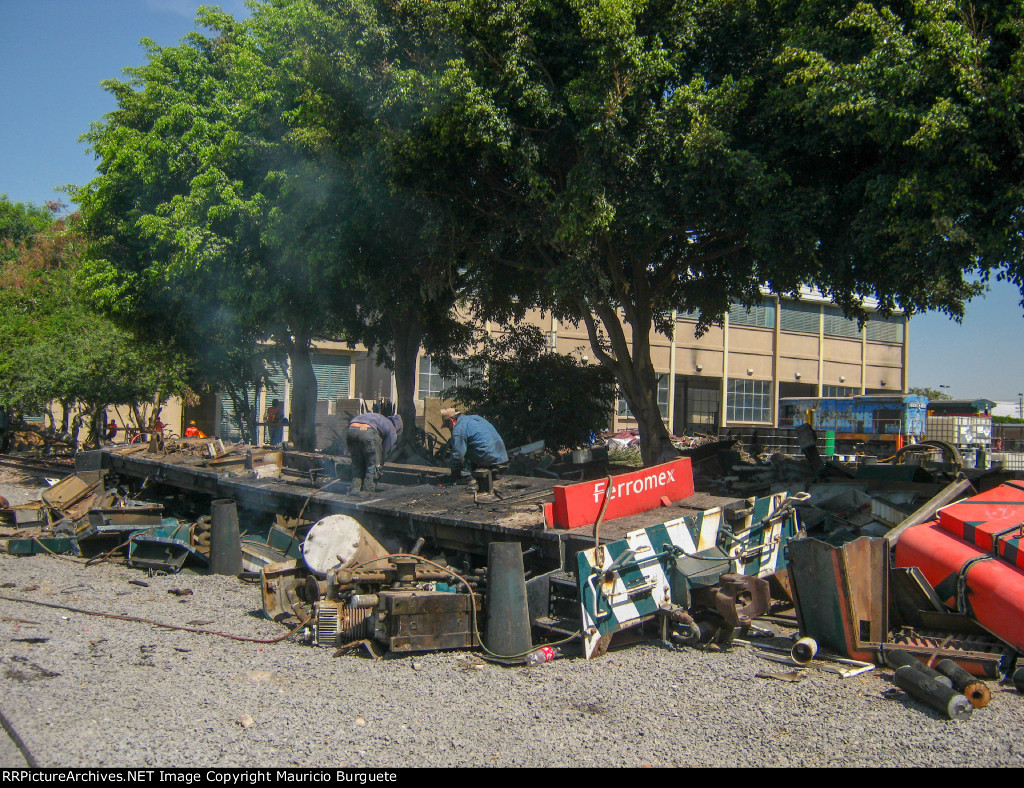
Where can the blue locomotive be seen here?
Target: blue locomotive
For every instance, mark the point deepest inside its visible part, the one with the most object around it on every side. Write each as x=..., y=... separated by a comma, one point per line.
x=877, y=424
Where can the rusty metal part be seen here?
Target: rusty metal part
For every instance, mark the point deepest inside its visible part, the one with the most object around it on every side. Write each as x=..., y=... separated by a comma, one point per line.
x=424, y=621
x=67, y=492
x=979, y=655
x=125, y=519
x=282, y=586
x=405, y=571
x=740, y=598
x=976, y=691
x=411, y=572
x=841, y=594
x=363, y=601
x=314, y=589
x=337, y=624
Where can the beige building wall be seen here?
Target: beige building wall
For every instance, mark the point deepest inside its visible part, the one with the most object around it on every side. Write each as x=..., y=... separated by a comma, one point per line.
x=701, y=374
x=770, y=358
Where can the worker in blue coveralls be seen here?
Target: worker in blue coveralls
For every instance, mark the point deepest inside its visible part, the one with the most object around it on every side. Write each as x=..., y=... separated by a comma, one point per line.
x=474, y=441
x=370, y=438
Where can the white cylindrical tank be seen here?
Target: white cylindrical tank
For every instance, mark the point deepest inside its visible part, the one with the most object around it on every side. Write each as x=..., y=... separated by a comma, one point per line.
x=339, y=541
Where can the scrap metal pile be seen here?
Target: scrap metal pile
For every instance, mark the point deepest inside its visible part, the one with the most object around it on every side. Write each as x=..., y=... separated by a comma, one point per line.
x=84, y=516
x=879, y=566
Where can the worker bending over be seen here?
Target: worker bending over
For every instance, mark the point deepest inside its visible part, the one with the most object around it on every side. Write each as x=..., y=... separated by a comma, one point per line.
x=370, y=438
x=474, y=441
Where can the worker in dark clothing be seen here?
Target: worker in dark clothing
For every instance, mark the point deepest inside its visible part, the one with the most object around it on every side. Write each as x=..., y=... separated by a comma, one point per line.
x=370, y=438
x=474, y=441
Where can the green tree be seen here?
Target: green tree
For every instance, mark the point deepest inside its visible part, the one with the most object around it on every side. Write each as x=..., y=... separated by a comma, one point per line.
x=358, y=82
x=931, y=394
x=531, y=393
x=19, y=223
x=55, y=346
x=204, y=216
x=642, y=157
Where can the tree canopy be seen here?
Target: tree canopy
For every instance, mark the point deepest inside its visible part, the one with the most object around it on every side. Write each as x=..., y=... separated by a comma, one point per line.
x=248, y=176
x=644, y=157
x=365, y=163
x=55, y=346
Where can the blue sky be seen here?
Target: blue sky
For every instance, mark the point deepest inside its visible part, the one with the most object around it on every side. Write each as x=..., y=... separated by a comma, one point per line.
x=54, y=53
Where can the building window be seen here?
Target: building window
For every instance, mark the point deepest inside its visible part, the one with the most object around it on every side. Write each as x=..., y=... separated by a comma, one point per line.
x=431, y=382
x=880, y=329
x=838, y=325
x=759, y=316
x=749, y=401
x=623, y=407
x=838, y=391
x=704, y=406
x=799, y=316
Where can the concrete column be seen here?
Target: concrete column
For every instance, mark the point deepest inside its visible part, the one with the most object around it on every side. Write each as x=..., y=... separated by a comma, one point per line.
x=863, y=357
x=821, y=345
x=906, y=354
x=725, y=372
x=775, y=362
x=672, y=375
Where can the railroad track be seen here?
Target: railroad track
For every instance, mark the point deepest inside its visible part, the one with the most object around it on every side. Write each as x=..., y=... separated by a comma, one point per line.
x=50, y=468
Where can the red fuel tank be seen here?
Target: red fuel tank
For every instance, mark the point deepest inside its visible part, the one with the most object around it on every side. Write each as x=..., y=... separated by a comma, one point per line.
x=994, y=587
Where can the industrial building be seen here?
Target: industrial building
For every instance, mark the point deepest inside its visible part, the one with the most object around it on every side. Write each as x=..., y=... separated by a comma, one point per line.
x=732, y=376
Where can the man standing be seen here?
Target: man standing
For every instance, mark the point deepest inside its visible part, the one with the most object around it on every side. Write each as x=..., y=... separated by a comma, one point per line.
x=274, y=419
x=370, y=438
x=474, y=440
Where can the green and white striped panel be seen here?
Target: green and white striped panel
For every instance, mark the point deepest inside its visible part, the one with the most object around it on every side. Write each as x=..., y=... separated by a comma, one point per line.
x=639, y=584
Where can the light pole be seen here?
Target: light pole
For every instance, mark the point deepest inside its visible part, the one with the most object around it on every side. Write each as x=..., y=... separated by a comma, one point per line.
x=946, y=392
x=1020, y=405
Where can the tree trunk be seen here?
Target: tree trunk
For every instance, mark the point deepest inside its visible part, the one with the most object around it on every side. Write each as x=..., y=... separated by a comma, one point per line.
x=92, y=435
x=76, y=427
x=634, y=372
x=408, y=337
x=65, y=421
x=302, y=418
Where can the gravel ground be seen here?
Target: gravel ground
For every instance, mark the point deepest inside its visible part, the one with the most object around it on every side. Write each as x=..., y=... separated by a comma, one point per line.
x=18, y=487
x=101, y=692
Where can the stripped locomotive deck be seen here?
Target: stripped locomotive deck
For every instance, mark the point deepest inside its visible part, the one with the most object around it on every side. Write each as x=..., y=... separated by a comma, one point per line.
x=410, y=503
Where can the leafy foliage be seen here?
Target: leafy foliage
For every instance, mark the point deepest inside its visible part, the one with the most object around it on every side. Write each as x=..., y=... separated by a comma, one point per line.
x=19, y=223
x=530, y=393
x=54, y=346
x=654, y=156
x=931, y=394
x=201, y=218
